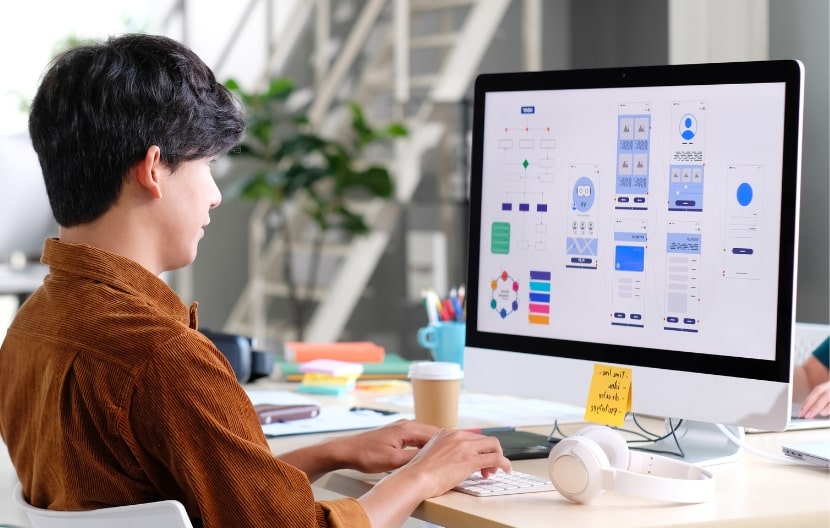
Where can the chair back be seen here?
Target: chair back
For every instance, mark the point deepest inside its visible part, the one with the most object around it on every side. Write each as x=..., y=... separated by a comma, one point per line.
x=162, y=514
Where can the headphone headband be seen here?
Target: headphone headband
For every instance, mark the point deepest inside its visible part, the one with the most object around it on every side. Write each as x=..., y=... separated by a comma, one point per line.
x=597, y=458
x=661, y=478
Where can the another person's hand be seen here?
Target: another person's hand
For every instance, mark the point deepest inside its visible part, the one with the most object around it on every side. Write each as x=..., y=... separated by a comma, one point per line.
x=810, y=386
x=817, y=403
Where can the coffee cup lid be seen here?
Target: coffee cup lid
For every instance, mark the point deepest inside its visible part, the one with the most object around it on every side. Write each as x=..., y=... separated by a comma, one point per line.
x=435, y=370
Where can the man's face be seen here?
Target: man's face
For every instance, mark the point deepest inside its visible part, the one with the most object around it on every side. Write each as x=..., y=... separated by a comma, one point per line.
x=188, y=194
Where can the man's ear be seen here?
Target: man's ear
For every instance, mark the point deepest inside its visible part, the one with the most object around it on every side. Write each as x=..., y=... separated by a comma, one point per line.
x=149, y=171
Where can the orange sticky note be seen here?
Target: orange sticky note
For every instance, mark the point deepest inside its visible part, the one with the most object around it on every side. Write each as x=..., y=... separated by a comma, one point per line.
x=609, y=396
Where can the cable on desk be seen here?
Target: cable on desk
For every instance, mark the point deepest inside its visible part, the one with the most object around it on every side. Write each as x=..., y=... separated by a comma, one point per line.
x=647, y=440
x=743, y=445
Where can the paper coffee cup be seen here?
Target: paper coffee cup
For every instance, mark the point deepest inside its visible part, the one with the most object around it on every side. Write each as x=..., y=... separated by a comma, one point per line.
x=436, y=387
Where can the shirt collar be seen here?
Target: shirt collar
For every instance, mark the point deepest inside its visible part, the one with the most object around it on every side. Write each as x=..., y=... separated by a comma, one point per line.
x=85, y=261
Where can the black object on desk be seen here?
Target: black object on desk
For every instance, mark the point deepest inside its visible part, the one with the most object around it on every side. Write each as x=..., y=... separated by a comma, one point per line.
x=521, y=445
x=248, y=364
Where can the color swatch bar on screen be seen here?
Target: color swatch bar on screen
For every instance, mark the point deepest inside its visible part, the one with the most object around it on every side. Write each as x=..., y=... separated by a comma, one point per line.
x=539, y=305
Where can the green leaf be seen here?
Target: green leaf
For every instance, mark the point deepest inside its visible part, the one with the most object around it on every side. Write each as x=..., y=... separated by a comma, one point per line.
x=300, y=177
x=280, y=89
x=377, y=180
x=396, y=130
x=259, y=185
x=351, y=222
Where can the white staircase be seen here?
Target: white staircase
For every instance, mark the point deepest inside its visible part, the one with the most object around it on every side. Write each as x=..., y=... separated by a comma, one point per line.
x=373, y=67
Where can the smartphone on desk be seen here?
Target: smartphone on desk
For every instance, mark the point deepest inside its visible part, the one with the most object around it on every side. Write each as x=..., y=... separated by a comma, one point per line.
x=272, y=413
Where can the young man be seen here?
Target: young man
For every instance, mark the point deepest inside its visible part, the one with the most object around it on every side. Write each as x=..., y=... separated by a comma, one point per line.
x=108, y=393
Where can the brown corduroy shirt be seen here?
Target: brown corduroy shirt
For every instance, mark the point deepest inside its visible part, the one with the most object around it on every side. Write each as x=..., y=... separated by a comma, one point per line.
x=110, y=396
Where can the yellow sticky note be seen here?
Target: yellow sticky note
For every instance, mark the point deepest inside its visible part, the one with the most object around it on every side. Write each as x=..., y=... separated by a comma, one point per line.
x=609, y=396
x=319, y=378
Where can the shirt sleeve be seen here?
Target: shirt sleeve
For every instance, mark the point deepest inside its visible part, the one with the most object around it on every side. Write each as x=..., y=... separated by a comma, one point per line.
x=822, y=353
x=196, y=436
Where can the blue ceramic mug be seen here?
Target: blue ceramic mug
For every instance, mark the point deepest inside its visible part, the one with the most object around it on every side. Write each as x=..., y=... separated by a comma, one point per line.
x=445, y=340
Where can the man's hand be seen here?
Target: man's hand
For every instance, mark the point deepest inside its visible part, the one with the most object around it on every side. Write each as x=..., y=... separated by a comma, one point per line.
x=373, y=451
x=383, y=449
x=447, y=459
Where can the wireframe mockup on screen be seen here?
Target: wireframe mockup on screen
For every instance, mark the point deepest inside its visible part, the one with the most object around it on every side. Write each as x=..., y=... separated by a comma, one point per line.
x=644, y=217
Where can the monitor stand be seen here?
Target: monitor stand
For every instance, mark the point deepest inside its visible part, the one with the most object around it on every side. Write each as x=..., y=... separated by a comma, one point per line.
x=698, y=443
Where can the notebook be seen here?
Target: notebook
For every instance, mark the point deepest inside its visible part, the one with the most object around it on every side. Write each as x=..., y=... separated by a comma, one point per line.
x=817, y=453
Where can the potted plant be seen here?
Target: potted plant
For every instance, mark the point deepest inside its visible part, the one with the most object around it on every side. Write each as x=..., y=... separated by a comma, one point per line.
x=286, y=159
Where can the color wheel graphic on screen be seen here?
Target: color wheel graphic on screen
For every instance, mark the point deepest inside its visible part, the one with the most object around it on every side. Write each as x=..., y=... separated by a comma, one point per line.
x=504, y=294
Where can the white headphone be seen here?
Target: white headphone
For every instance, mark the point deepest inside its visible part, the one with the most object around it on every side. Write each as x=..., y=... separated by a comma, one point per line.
x=597, y=458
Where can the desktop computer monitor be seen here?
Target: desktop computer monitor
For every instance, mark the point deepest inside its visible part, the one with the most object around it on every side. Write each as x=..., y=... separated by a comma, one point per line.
x=641, y=217
x=24, y=204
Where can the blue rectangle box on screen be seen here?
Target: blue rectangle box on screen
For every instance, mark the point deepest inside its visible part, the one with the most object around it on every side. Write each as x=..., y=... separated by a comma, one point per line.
x=539, y=286
x=540, y=276
x=630, y=258
x=539, y=297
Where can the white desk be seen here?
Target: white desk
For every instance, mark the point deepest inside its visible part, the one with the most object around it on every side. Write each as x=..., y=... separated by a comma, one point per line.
x=752, y=491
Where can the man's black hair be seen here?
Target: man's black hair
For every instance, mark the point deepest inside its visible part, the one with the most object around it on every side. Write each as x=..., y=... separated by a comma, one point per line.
x=100, y=107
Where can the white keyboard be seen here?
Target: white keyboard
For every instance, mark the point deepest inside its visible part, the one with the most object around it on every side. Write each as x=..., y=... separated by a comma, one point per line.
x=503, y=484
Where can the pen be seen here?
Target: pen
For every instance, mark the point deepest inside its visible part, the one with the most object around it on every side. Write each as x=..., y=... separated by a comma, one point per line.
x=435, y=300
x=432, y=313
x=490, y=430
x=448, y=311
x=369, y=409
x=456, y=304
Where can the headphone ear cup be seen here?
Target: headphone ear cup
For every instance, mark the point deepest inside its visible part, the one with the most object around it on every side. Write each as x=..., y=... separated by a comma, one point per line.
x=575, y=467
x=611, y=442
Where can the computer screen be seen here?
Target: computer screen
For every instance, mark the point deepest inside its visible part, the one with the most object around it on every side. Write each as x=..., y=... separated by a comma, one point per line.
x=642, y=217
x=24, y=204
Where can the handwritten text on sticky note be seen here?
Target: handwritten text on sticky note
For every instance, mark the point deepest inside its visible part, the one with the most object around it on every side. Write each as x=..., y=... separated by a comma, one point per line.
x=609, y=396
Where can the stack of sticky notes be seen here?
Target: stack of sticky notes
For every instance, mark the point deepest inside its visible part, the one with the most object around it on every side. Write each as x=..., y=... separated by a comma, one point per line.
x=329, y=376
